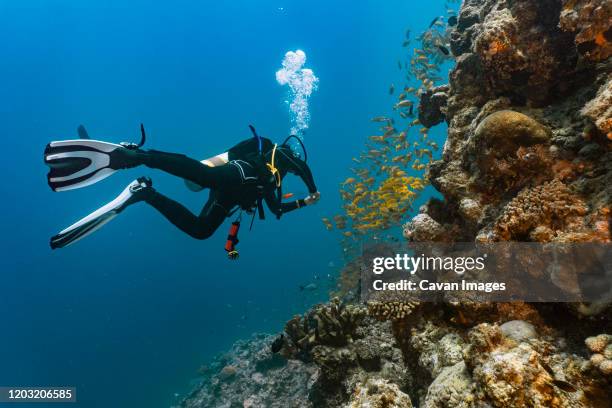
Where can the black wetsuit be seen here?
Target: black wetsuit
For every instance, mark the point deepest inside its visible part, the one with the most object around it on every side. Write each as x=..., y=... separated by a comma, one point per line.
x=237, y=184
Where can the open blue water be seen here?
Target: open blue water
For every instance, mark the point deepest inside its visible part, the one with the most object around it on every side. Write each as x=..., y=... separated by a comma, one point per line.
x=128, y=314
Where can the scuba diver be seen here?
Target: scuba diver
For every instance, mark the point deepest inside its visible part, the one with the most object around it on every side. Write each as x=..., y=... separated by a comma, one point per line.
x=239, y=179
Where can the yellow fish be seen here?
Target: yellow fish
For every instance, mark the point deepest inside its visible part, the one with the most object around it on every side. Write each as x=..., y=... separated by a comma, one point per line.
x=404, y=104
x=377, y=139
x=380, y=119
x=390, y=132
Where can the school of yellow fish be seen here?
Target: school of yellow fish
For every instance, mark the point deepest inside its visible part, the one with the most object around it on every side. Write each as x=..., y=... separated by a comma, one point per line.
x=389, y=173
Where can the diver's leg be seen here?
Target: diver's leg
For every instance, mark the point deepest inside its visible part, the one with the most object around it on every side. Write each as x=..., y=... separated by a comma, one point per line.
x=138, y=190
x=187, y=168
x=199, y=227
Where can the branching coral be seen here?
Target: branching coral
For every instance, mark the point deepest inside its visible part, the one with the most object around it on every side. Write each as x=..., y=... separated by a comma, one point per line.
x=391, y=310
x=550, y=206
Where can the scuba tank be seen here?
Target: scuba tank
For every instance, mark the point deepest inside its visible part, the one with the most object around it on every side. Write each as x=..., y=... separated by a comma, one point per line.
x=232, y=241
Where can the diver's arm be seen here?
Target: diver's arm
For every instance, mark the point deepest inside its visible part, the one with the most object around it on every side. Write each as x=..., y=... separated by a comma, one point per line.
x=292, y=205
x=302, y=202
x=272, y=203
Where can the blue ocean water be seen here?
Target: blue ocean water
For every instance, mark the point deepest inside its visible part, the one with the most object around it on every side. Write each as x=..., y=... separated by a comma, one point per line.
x=128, y=314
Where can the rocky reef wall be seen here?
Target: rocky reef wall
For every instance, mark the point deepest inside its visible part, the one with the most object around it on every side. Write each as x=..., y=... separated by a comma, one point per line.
x=528, y=155
x=251, y=376
x=452, y=355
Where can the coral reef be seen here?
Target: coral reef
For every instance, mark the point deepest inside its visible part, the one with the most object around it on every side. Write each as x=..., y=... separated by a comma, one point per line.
x=332, y=324
x=355, y=359
x=391, y=310
x=437, y=346
x=423, y=228
x=370, y=368
x=432, y=106
x=444, y=361
x=508, y=150
x=538, y=214
x=599, y=109
x=453, y=387
x=590, y=21
x=528, y=158
x=463, y=355
x=528, y=150
x=251, y=376
x=601, y=346
x=509, y=44
x=511, y=374
x=378, y=394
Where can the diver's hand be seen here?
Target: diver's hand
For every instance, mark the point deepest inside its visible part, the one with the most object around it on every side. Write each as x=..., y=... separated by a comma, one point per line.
x=312, y=199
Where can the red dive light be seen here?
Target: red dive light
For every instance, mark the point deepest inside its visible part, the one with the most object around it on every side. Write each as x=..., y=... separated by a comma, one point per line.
x=232, y=241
